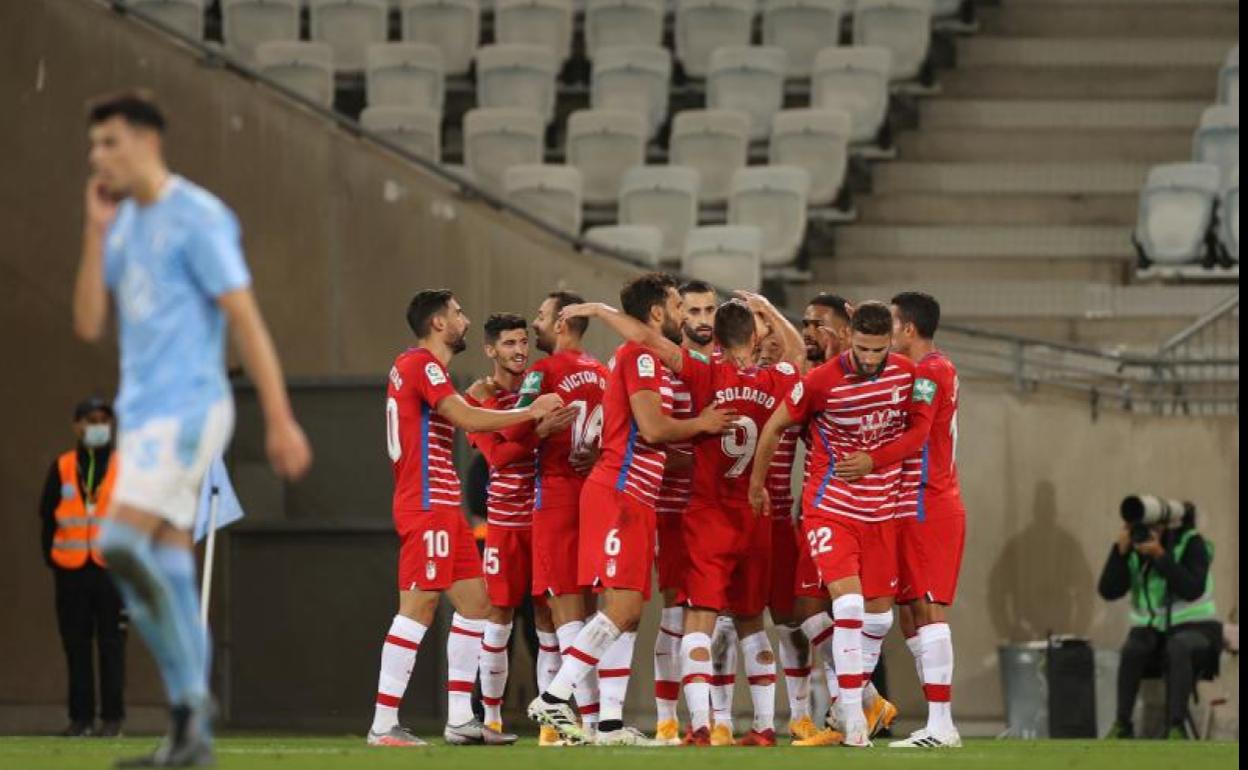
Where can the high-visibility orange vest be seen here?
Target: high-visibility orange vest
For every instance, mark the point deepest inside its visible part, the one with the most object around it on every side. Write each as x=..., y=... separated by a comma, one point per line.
x=77, y=523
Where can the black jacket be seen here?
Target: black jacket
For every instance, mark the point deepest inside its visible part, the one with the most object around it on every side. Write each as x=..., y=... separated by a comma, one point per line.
x=1186, y=579
x=52, y=491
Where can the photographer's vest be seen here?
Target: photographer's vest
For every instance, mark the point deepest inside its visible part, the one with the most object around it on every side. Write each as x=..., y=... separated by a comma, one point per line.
x=1149, y=592
x=77, y=520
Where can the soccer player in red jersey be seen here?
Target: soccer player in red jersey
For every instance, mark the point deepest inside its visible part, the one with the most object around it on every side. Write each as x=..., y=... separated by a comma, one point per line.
x=437, y=554
x=855, y=402
x=620, y=496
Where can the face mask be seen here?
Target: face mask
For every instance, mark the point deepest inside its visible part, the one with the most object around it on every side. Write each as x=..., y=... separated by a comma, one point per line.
x=96, y=436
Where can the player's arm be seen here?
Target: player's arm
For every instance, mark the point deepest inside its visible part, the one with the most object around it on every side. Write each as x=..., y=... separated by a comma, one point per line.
x=502, y=449
x=793, y=349
x=630, y=329
x=768, y=441
x=658, y=428
x=90, y=291
x=920, y=413
x=474, y=419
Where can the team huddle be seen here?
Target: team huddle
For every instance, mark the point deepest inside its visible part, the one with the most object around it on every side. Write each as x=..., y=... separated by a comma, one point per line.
x=678, y=455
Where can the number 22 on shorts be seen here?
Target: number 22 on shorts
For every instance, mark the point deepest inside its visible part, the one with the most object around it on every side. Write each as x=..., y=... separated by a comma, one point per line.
x=820, y=540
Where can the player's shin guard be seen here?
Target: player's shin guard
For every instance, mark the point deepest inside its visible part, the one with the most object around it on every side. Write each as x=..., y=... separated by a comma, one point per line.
x=548, y=658
x=586, y=690
x=847, y=655
x=398, y=656
x=724, y=668
x=613, y=670
x=915, y=645
x=494, y=666
x=875, y=626
x=178, y=566
x=760, y=670
x=819, y=629
x=463, y=659
x=581, y=658
x=695, y=676
x=938, y=676
x=796, y=664
x=667, y=662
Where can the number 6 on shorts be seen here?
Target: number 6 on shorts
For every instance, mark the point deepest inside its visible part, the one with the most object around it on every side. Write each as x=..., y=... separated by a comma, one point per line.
x=611, y=546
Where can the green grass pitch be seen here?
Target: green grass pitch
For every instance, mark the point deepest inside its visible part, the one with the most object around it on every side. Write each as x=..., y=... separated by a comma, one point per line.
x=350, y=753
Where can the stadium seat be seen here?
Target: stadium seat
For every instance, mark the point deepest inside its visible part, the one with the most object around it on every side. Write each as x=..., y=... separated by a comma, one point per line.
x=773, y=199
x=854, y=80
x=1217, y=139
x=665, y=197
x=904, y=27
x=749, y=79
x=727, y=256
x=642, y=242
x=404, y=74
x=517, y=75
x=1228, y=216
x=303, y=67
x=635, y=78
x=246, y=24
x=496, y=139
x=1176, y=208
x=185, y=16
x=1228, y=79
x=452, y=25
x=610, y=23
x=417, y=130
x=545, y=23
x=349, y=27
x=704, y=25
x=714, y=143
x=550, y=193
x=818, y=141
x=603, y=144
x=802, y=28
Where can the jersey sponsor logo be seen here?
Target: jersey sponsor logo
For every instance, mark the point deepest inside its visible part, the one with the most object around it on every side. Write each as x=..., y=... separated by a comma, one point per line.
x=396, y=379
x=924, y=390
x=872, y=425
x=434, y=374
x=796, y=394
x=532, y=383
x=785, y=368
x=645, y=365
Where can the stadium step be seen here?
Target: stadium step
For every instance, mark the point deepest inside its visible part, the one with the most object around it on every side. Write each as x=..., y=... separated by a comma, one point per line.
x=1061, y=113
x=1094, y=19
x=1084, y=52
x=1021, y=82
x=990, y=242
x=985, y=145
x=916, y=270
x=1011, y=178
x=928, y=208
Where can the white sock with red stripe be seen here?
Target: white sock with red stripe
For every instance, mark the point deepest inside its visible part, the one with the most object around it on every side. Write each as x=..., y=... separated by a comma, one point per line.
x=819, y=630
x=695, y=677
x=667, y=662
x=548, y=659
x=937, y=644
x=494, y=669
x=796, y=665
x=463, y=659
x=875, y=626
x=613, y=670
x=847, y=612
x=581, y=657
x=398, y=655
x=724, y=666
x=915, y=645
x=760, y=670
x=586, y=690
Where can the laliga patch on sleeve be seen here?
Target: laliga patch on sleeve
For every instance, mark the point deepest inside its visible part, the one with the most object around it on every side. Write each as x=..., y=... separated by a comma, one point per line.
x=924, y=390
x=785, y=368
x=645, y=365
x=532, y=383
x=434, y=374
x=796, y=394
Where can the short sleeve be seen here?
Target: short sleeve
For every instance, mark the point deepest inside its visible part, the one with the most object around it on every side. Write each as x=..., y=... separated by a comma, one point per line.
x=432, y=382
x=214, y=255
x=640, y=370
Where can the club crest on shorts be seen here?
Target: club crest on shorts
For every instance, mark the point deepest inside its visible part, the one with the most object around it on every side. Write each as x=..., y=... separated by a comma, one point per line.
x=431, y=569
x=610, y=568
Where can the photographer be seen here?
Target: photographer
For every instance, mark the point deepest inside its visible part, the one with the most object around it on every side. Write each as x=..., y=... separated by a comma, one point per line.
x=1163, y=563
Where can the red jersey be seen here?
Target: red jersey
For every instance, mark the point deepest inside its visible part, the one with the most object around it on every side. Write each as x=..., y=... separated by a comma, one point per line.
x=722, y=463
x=677, y=484
x=629, y=463
x=780, y=477
x=850, y=413
x=509, y=494
x=420, y=440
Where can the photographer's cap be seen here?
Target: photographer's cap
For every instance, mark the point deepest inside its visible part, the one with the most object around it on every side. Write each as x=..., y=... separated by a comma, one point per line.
x=93, y=404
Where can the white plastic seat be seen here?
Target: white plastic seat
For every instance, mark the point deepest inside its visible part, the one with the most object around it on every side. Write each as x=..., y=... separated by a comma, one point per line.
x=610, y=23
x=634, y=78
x=714, y=143
x=246, y=24
x=1228, y=79
x=749, y=79
x=545, y=23
x=349, y=27
x=727, y=256
x=185, y=16
x=1176, y=207
x=773, y=199
x=496, y=139
x=603, y=144
x=704, y=25
x=550, y=193
x=904, y=27
x=452, y=25
x=643, y=243
x=1217, y=139
x=417, y=130
x=854, y=80
x=802, y=28
x=404, y=74
x=517, y=75
x=665, y=197
x=818, y=141
x=304, y=67
x=1229, y=216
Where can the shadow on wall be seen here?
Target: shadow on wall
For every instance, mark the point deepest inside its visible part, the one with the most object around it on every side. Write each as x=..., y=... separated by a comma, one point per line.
x=1041, y=582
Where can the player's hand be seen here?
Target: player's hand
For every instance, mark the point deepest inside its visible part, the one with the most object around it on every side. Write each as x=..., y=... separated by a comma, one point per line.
x=544, y=405
x=716, y=420
x=101, y=206
x=760, y=501
x=1124, y=540
x=1150, y=547
x=582, y=459
x=582, y=310
x=854, y=466
x=556, y=421
x=288, y=450
x=483, y=388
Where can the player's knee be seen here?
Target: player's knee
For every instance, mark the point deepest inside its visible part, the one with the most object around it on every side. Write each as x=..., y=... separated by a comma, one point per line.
x=120, y=544
x=700, y=654
x=765, y=658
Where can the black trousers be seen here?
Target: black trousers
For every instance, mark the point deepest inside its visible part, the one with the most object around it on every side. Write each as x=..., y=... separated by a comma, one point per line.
x=1179, y=656
x=90, y=614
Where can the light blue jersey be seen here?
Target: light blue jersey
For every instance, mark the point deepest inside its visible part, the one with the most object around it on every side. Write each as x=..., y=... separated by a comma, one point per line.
x=166, y=264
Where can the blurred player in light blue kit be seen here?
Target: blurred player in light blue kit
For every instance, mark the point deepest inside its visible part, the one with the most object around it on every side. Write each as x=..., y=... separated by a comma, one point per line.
x=170, y=253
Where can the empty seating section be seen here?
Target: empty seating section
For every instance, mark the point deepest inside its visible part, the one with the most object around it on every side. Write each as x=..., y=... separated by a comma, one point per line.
x=497, y=138
x=640, y=242
x=725, y=255
x=417, y=130
x=603, y=145
x=1217, y=138
x=773, y=199
x=248, y=23
x=611, y=23
x=634, y=78
x=452, y=25
x=704, y=25
x=815, y=140
x=749, y=79
x=517, y=75
x=901, y=26
x=854, y=80
x=404, y=74
x=1176, y=211
x=802, y=28
x=550, y=193
x=713, y=142
x=545, y=23
x=305, y=68
x=184, y=16
x=349, y=27
x=663, y=197
x=1228, y=79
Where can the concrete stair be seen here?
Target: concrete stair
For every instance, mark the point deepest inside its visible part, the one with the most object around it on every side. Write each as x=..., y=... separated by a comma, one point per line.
x=1021, y=82
x=1101, y=20
x=1011, y=178
x=933, y=208
x=1060, y=114
x=987, y=145
x=1093, y=52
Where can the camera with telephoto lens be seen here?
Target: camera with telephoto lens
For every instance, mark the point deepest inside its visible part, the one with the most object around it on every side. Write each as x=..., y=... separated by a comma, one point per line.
x=1141, y=512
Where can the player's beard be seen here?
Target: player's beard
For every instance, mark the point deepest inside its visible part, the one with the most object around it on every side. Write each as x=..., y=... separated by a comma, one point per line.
x=516, y=368
x=868, y=373
x=671, y=330
x=699, y=335
x=545, y=341
x=459, y=344
x=814, y=352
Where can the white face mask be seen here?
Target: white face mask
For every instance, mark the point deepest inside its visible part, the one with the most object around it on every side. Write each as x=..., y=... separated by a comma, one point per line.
x=96, y=436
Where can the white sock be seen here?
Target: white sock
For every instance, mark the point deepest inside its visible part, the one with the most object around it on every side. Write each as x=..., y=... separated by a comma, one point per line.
x=586, y=690
x=915, y=645
x=796, y=665
x=829, y=677
x=695, y=676
x=613, y=670
x=819, y=629
x=582, y=656
x=398, y=655
x=667, y=662
x=847, y=612
x=463, y=659
x=724, y=679
x=875, y=626
x=548, y=660
x=937, y=644
x=760, y=670
x=494, y=665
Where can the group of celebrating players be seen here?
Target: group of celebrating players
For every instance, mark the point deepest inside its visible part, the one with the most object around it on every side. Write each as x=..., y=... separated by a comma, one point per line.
x=679, y=454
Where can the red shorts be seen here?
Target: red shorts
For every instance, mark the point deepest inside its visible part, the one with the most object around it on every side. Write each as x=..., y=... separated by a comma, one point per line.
x=436, y=549
x=597, y=511
x=930, y=555
x=555, y=532
x=672, y=558
x=806, y=582
x=617, y=539
x=784, y=552
x=729, y=566
x=508, y=564
x=843, y=547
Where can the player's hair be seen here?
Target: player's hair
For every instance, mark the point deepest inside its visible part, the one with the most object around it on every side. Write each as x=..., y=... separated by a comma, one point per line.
x=922, y=310
x=137, y=108
x=424, y=306
x=563, y=299
x=872, y=318
x=696, y=287
x=734, y=323
x=833, y=302
x=498, y=323
x=644, y=292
